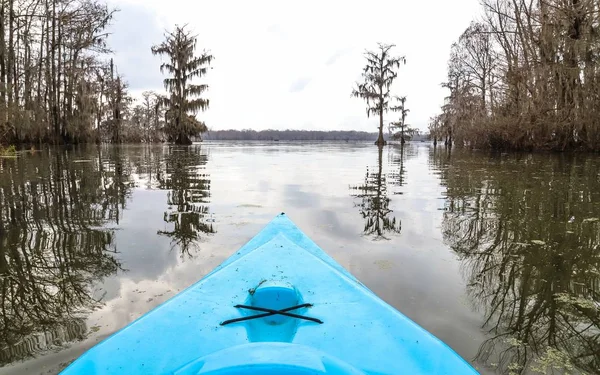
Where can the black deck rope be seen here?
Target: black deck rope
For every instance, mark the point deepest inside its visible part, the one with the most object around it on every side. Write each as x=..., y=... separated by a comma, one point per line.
x=269, y=312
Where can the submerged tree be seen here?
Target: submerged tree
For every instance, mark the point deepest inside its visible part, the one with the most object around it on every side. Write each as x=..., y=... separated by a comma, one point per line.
x=404, y=130
x=378, y=76
x=180, y=46
x=435, y=128
x=118, y=100
x=152, y=113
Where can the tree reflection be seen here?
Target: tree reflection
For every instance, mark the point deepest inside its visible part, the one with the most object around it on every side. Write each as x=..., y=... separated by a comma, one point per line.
x=398, y=157
x=187, y=199
x=528, y=233
x=53, y=247
x=374, y=202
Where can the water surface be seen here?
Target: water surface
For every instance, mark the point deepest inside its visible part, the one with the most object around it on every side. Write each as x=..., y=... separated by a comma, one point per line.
x=497, y=255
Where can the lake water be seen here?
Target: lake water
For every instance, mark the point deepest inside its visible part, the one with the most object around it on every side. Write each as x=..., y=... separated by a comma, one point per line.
x=497, y=255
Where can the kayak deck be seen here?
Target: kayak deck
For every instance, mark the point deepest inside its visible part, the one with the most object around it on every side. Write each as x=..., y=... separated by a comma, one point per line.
x=315, y=318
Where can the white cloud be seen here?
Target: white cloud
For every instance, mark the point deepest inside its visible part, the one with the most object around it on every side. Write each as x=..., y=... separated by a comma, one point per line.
x=292, y=65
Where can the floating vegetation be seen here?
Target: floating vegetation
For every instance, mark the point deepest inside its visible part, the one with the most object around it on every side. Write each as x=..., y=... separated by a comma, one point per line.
x=9, y=152
x=553, y=360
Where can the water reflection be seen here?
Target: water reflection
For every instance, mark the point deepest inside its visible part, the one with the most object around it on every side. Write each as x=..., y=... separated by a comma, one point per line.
x=54, y=245
x=374, y=202
x=188, y=214
x=528, y=234
x=523, y=227
x=58, y=215
x=397, y=159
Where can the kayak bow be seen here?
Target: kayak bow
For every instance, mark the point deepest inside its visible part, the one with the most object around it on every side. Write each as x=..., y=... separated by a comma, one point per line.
x=278, y=305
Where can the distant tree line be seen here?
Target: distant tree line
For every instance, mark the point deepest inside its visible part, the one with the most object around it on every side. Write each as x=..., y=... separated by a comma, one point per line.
x=526, y=77
x=289, y=135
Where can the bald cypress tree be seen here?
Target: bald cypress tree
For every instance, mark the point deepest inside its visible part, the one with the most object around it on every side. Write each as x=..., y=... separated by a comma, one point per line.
x=378, y=75
x=183, y=101
x=403, y=130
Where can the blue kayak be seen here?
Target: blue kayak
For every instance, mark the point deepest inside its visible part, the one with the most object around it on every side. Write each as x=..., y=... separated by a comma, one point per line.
x=279, y=305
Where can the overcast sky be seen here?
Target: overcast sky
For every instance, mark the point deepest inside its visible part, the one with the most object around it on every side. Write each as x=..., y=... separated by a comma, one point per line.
x=292, y=65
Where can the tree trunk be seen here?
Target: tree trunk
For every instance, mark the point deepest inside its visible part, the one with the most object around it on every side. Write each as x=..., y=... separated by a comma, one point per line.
x=379, y=197
x=117, y=99
x=27, y=67
x=183, y=139
x=2, y=66
x=15, y=61
x=40, y=64
x=11, y=53
x=53, y=94
x=99, y=110
x=60, y=68
x=380, y=140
